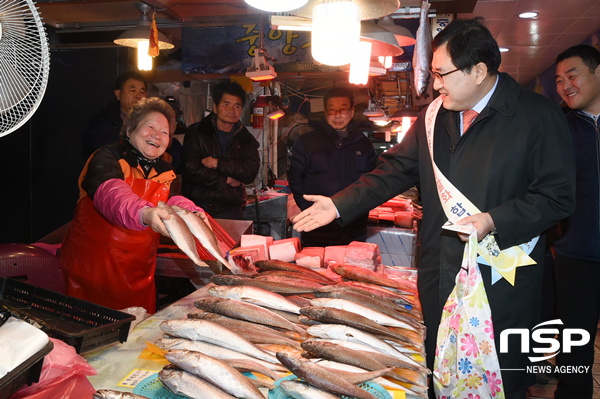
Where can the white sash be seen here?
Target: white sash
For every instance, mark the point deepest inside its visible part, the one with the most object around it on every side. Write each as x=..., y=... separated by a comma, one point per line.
x=456, y=206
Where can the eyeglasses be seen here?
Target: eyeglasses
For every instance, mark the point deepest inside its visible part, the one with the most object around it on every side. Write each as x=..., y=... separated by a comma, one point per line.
x=342, y=112
x=440, y=76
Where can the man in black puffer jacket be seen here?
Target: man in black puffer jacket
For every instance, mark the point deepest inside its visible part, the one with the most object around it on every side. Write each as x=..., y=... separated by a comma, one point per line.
x=328, y=160
x=220, y=156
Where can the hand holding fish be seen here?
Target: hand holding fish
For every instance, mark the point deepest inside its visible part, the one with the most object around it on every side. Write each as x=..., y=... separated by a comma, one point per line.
x=322, y=212
x=482, y=222
x=202, y=215
x=153, y=217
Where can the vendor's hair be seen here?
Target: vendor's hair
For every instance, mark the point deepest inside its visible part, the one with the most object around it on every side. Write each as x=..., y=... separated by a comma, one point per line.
x=130, y=75
x=469, y=42
x=231, y=88
x=143, y=108
x=590, y=55
x=339, y=92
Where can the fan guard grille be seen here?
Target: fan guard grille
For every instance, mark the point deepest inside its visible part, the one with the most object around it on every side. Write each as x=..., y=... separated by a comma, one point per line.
x=24, y=63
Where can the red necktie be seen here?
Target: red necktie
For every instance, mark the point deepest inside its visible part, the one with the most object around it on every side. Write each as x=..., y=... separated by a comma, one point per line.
x=468, y=117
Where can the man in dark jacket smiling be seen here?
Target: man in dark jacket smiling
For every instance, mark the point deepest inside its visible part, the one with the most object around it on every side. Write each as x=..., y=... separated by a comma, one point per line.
x=577, y=263
x=328, y=160
x=513, y=159
x=220, y=156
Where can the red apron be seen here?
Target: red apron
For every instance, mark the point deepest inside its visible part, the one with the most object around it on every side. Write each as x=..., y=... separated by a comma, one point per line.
x=110, y=265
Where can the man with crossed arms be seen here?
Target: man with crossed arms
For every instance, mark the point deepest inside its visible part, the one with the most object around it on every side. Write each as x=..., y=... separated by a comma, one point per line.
x=512, y=158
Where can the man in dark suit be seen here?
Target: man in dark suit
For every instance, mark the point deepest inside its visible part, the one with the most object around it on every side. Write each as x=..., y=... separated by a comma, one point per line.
x=508, y=151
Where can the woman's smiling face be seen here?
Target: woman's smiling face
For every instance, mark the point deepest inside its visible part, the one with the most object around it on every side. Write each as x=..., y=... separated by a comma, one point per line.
x=151, y=136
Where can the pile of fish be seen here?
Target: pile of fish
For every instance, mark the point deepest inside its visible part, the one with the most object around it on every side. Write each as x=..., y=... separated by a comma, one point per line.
x=185, y=227
x=333, y=330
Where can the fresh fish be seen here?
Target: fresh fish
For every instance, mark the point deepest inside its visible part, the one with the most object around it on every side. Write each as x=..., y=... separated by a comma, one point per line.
x=245, y=365
x=261, y=334
x=294, y=276
x=207, y=238
x=370, y=300
x=290, y=267
x=180, y=233
x=363, y=275
x=349, y=373
x=337, y=316
x=207, y=331
x=422, y=54
x=357, y=377
x=292, y=281
x=320, y=377
x=384, y=293
x=216, y=372
x=110, y=394
x=372, y=314
x=337, y=353
x=342, y=332
x=255, y=295
x=189, y=385
x=246, y=311
x=302, y=390
x=280, y=288
x=298, y=300
x=218, y=352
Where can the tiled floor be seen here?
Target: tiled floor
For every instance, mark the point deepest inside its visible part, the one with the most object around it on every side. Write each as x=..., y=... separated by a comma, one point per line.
x=540, y=391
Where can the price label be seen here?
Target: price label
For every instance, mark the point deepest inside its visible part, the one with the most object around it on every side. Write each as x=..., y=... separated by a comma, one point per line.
x=135, y=377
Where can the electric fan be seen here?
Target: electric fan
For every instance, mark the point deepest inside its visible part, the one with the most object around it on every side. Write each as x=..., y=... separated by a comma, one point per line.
x=24, y=63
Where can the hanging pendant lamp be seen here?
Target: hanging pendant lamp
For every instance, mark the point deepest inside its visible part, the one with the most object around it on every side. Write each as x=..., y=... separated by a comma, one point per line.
x=131, y=37
x=335, y=31
x=403, y=35
x=276, y=5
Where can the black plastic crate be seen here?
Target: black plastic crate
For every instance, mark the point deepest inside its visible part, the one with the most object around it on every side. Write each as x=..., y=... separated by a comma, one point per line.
x=81, y=324
x=27, y=372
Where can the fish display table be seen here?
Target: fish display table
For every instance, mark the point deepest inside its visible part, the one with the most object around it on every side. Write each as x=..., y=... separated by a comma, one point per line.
x=121, y=363
x=122, y=366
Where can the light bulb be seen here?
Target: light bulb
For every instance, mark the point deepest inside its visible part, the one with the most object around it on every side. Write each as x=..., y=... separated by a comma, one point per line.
x=359, y=67
x=335, y=31
x=144, y=60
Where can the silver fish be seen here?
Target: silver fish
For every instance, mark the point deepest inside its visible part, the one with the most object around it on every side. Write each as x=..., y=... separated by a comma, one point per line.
x=189, y=385
x=320, y=377
x=347, y=371
x=207, y=331
x=214, y=371
x=245, y=365
x=110, y=394
x=423, y=54
x=215, y=351
x=180, y=233
x=342, y=332
x=246, y=311
x=301, y=390
x=207, y=238
x=255, y=295
x=376, y=316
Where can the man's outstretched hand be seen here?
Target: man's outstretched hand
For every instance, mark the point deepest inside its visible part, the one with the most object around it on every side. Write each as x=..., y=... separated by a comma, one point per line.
x=322, y=212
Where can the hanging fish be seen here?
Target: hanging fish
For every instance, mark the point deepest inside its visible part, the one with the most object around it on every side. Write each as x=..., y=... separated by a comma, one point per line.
x=423, y=53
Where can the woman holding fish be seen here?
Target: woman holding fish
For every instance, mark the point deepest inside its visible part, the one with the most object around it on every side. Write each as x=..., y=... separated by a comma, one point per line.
x=109, y=252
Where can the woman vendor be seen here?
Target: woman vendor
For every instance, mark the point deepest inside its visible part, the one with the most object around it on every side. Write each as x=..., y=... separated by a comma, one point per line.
x=109, y=252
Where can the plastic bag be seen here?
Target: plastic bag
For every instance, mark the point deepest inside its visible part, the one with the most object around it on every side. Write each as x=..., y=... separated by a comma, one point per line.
x=466, y=363
x=63, y=376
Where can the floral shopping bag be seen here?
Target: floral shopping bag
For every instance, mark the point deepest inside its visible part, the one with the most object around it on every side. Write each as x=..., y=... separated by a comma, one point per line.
x=466, y=363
